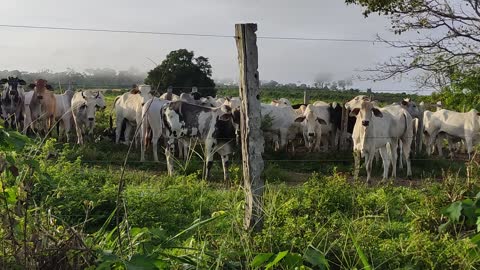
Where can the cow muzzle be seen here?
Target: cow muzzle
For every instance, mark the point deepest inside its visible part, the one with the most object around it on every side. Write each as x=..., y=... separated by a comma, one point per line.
x=40, y=97
x=13, y=92
x=311, y=134
x=365, y=123
x=91, y=119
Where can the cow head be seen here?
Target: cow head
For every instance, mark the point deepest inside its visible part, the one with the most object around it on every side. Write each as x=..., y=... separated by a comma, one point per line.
x=13, y=86
x=411, y=107
x=92, y=102
x=145, y=92
x=40, y=87
x=233, y=116
x=365, y=112
x=356, y=102
x=282, y=102
x=312, y=125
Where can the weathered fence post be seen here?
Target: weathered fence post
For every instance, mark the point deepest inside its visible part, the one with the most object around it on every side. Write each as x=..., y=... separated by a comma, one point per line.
x=306, y=98
x=343, y=129
x=251, y=134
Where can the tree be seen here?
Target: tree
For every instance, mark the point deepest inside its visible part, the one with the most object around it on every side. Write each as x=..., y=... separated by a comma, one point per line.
x=322, y=80
x=451, y=30
x=270, y=84
x=182, y=70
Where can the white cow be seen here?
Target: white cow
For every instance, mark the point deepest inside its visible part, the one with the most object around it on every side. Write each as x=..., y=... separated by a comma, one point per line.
x=63, y=112
x=315, y=121
x=31, y=112
x=464, y=126
x=152, y=121
x=84, y=106
x=380, y=129
x=279, y=124
x=128, y=108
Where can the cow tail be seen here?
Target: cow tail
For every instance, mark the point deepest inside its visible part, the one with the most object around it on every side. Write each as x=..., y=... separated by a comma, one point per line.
x=111, y=122
x=111, y=112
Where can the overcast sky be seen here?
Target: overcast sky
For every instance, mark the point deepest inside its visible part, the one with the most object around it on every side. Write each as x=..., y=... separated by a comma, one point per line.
x=284, y=61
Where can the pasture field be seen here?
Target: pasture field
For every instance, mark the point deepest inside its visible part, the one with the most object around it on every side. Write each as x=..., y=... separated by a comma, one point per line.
x=316, y=215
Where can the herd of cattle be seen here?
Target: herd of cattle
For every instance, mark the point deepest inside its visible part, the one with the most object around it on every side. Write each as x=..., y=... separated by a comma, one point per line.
x=393, y=131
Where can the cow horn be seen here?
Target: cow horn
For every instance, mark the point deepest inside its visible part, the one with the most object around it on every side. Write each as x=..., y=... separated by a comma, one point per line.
x=98, y=94
x=83, y=95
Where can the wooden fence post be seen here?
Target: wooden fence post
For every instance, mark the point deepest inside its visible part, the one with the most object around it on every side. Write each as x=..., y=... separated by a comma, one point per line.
x=251, y=134
x=306, y=98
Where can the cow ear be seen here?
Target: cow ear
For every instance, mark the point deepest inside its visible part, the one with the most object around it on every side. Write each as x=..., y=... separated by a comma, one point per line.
x=83, y=95
x=404, y=102
x=49, y=87
x=377, y=112
x=31, y=86
x=3, y=81
x=354, y=112
x=321, y=121
x=22, y=82
x=300, y=119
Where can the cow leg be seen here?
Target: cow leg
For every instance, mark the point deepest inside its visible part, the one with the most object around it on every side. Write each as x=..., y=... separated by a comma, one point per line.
x=400, y=154
x=187, y=148
x=208, y=158
x=79, y=133
x=356, y=157
x=368, y=165
x=118, y=128
x=155, y=139
x=393, y=151
x=386, y=161
x=169, y=150
x=68, y=126
x=128, y=129
x=469, y=144
x=283, y=138
x=406, y=156
x=324, y=139
x=180, y=148
x=225, y=164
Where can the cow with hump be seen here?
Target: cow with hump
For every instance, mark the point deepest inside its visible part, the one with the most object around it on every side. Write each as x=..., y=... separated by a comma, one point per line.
x=216, y=128
x=43, y=95
x=128, y=108
x=84, y=106
x=380, y=129
x=454, y=125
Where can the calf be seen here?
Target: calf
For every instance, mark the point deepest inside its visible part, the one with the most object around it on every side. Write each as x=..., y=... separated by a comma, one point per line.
x=84, y=106
x=12, y=100
x=215, y=127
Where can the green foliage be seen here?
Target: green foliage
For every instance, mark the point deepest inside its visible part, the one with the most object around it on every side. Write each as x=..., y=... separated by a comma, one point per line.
x=182, y=70
x=295, y=94
x=463, y=94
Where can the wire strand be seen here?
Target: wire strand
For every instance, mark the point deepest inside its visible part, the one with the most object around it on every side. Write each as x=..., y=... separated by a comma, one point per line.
x=192, y=34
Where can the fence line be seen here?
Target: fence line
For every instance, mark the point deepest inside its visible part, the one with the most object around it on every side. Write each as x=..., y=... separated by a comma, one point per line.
x=84, y=29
